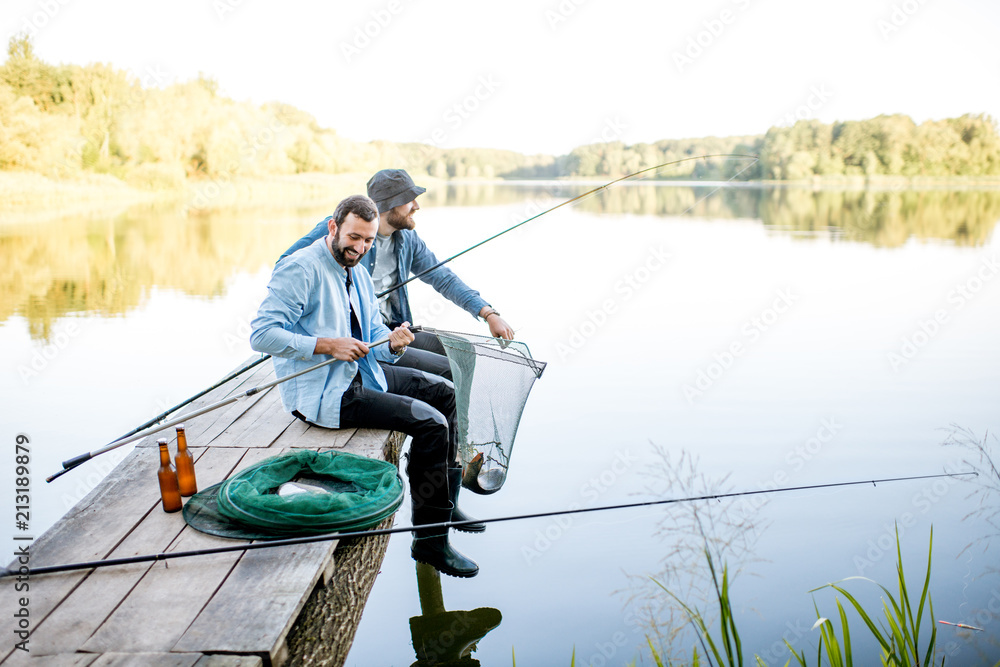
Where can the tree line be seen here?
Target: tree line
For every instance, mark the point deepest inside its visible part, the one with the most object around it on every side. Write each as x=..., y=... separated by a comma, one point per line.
x=65, y=120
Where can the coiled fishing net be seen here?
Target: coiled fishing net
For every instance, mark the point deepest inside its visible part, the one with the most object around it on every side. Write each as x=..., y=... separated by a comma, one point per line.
x=298, y=493
x=492, y=379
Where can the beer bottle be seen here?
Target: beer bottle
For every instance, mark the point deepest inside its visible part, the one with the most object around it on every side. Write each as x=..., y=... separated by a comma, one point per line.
x=185, y=465
x=168, y=480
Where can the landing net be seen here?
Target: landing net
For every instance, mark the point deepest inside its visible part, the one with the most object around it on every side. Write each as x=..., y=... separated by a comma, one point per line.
x=492, y=380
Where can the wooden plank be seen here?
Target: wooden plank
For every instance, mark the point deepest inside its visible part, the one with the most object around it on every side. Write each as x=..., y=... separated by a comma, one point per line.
x=222, y=660
x=202, y=430
x=259, y=426
x=97, y=597
x=21, y=658
x=259, y=602
x=172, y=593
x=197, y=427
x=161, y=606
x=368, y=442
x=89, y=531
x=147, y=660
x=315, y=437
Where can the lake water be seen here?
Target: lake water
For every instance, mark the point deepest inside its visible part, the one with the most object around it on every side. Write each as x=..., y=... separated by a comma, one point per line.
x=698, y=340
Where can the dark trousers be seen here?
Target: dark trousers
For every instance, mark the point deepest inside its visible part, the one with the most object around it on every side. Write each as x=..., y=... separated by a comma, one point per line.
x=425, y=353
x=419, y=404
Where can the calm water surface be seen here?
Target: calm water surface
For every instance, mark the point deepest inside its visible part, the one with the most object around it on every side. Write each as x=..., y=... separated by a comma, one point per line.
x=764, y=338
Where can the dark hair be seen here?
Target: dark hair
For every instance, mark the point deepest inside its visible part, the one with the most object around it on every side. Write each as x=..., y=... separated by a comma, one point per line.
x=359, y=205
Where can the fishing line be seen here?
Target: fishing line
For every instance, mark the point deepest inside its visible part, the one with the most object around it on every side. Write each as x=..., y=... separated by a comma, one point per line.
x=76, y=461
x=580, y=197
x=49, y=569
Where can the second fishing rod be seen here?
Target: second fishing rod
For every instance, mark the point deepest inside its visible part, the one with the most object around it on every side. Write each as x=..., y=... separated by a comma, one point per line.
x=642, y=173
x=270, y=544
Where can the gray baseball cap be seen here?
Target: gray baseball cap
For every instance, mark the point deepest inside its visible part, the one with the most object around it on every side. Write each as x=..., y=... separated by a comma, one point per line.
x=390, y=188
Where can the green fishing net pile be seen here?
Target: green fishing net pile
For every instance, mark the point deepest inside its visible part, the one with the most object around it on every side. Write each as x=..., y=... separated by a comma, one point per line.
x=492, y=380
x=298, y=493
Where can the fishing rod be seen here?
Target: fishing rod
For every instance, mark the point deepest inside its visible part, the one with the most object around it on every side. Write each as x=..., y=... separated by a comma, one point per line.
x=83, y=458
x=575, y=199
x=265, y=357
x=74, y=462
x=246, y=546
x=163, y=415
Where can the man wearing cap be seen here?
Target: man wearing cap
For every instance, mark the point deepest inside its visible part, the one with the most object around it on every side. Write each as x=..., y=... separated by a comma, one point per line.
x=319, y=305
x=399, y=253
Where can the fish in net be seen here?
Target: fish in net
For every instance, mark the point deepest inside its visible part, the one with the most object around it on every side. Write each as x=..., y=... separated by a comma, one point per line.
x=492, y=379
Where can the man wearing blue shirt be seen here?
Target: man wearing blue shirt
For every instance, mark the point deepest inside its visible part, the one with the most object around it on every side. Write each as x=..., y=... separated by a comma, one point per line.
x=399, y=253
x=321, y=303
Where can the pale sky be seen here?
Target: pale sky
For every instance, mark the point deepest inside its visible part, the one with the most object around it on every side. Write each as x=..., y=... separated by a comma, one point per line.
x=545, y=76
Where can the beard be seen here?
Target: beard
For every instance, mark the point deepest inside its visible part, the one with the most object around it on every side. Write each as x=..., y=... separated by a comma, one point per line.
x=339, y=255
x=398, y=221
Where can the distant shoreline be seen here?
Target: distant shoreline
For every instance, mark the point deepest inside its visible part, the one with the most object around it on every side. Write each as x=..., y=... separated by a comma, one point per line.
x=30, y=197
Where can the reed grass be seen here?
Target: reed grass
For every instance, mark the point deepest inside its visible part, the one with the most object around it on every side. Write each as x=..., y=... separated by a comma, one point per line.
x=899, y=630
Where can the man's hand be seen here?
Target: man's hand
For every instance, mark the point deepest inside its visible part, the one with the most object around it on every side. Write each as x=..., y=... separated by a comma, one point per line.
x=345, y=349
x=498, y=326
x=400, y=337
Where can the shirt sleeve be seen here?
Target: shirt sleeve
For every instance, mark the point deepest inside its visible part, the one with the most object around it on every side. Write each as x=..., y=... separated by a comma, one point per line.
x=444, y=280
x=273, y=327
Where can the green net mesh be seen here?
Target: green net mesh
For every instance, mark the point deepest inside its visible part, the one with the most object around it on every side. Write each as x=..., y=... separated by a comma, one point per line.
x=298, y=493
x=492, y=380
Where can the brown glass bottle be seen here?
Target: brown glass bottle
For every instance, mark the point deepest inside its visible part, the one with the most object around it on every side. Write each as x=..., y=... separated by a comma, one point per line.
x=168, y=480
x=186, y=481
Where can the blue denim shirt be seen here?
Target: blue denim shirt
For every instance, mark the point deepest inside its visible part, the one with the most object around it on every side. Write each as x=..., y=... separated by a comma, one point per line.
x=307, y=299
x=412, y=257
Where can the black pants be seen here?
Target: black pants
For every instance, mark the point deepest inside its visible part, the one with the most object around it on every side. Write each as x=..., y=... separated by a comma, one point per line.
x=425, y=353
x=419, y=404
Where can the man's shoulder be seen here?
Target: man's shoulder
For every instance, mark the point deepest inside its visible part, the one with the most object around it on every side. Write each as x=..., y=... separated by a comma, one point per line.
x=307, y=257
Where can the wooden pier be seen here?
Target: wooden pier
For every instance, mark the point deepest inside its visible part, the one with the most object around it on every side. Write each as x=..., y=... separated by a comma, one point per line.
x=259, y=607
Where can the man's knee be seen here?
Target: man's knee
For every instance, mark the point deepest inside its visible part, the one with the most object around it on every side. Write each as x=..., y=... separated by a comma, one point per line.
x=424, y=413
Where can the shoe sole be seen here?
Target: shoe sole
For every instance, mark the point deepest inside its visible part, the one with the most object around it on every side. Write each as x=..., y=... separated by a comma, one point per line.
x=451, y=573
x=470, y=529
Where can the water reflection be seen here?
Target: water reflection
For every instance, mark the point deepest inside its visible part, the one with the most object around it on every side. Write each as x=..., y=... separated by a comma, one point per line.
x=106, y=265
x=885, y=218
x=441, y=637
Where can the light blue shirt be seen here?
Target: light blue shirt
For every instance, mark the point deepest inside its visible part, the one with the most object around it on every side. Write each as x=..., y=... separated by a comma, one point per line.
x=306, y=300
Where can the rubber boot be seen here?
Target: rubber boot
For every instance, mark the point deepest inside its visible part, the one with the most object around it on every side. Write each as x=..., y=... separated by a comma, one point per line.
x=431, y=546
x=454, y=486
